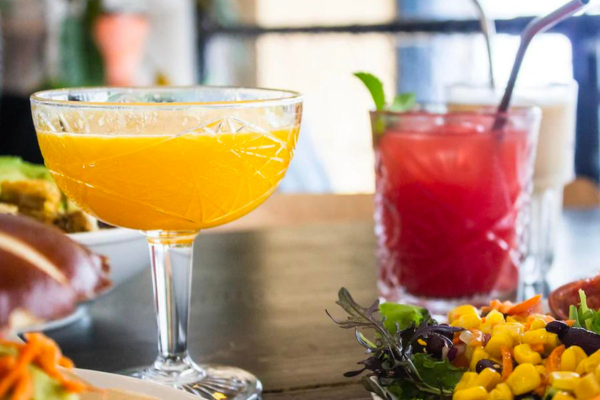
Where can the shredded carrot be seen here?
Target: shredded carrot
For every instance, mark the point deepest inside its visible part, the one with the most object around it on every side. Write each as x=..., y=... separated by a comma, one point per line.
x=7, y=363
x=553, y=360
x=507, y=363
x=525, y=306
x=23, y=389
x=540, y=390
x=25, y=358
x=570, y=322
x=43, y=352
x=66, y=362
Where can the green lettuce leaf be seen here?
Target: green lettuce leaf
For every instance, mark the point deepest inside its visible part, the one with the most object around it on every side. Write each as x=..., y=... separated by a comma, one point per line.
x=439, y=374
x=402, y=315
x=584, y=316
x=15, y=169
x=47, y=388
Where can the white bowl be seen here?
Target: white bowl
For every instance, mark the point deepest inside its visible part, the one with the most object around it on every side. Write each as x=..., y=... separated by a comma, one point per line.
x=126, y=249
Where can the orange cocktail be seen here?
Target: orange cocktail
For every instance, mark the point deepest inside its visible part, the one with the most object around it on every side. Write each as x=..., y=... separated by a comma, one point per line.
x=171, y=161
x=151, y=182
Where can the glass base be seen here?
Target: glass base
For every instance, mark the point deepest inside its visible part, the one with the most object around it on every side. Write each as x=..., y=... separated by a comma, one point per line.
x=211, y=382
x=439, y=307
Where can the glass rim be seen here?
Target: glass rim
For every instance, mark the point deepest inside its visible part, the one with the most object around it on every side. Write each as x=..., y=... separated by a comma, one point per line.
x=48, y=97
x=521, y=87
x=513, y=112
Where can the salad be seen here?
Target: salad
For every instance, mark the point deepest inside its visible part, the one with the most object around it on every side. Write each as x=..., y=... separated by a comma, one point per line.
x=36, y=370
x=504, y=351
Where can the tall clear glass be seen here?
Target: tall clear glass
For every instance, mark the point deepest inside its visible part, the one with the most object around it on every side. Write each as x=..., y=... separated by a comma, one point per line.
x=554, y=166
x=171, y=162
x=451, y=204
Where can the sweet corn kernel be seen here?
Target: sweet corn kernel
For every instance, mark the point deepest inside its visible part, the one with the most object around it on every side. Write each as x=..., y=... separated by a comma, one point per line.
x=478, y=354
x=564, y=380
x=465, y=381
x=474, y=393
x=540, y=336
x=515, y=318
x=551, y=341
x=488, y=378
x=571, y=358
x=589, y=364
x=501, y=392
x=459, y=311
x=540, y=369
x=514, y=329
x=467, y=321
x=597, y=373
x=587, y=387
x=496, y=342
x=524, y=379
x=562, y=396
x=493, y=318
x=524, y=354
x=537, y=323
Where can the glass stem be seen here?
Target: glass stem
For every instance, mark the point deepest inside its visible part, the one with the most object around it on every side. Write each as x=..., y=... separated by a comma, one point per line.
x=171, y=257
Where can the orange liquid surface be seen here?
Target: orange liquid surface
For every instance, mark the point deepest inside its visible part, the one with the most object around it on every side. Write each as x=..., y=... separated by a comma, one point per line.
x=159, y=182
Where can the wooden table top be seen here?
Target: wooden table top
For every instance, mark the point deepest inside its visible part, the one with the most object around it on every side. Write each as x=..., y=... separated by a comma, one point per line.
x=259, y=300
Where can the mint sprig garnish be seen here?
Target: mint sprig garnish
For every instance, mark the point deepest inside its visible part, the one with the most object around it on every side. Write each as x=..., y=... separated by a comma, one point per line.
x=402, y=102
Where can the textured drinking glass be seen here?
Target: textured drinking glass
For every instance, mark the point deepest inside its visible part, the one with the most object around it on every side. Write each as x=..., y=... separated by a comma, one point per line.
x=451, y=204
x=170, y=162
x=554, y=166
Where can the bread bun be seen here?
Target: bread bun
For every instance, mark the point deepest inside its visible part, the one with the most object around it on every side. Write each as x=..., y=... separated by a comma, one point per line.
x=43, y=273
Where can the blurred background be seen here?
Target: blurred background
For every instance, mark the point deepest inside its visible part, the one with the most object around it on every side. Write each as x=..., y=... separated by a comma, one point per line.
x=312, y=46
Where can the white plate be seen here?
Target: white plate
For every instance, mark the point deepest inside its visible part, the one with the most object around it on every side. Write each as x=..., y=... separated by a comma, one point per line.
x=126, y=249
x=57, y=323
x=104, y=380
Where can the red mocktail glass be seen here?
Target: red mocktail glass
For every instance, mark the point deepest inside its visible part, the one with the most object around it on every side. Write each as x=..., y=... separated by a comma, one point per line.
x=451, y=204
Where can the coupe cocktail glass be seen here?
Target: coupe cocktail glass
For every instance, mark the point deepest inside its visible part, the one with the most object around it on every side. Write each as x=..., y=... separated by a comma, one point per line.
x=171, y=162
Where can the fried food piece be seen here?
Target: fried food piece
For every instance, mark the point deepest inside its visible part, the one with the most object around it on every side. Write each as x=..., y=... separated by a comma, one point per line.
x=76, y=221
x=39, y=199
x=8, y=208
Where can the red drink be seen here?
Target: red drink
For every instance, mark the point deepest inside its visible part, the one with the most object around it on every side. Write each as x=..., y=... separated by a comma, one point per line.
x=450, y=201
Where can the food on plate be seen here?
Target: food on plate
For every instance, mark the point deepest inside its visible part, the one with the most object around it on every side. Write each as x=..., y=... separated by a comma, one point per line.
x=37, y=370
x=561, y=299
x=504, y=351
x=28, y=189
x=43, y=273
x=36, y=198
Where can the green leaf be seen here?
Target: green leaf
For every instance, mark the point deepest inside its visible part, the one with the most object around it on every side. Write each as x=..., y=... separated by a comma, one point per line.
x=15, y=169
x=375, y=88
x=595, y=325
x=47, y=388
x=583, y=307
x=574, y=315
x=438, y=374
x=404, y=102
x=402, y=315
